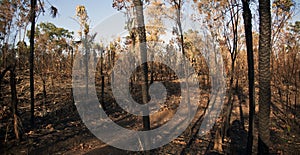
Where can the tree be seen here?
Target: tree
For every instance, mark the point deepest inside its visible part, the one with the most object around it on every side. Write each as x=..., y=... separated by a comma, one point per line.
x=177, y=16
x=293, y=50
x=222, y=20
x=141, y=32
x=13, y=18
x=282, y=11
x=284, y=56
x=17, y=123
x=249, y=43
x=52, y=41
x=31, y=59
x=18, y=129
x=232, y=44
x=33, y=5
x=265, y=49
x=81, y=13
x=138, y=31
x=100, y=49
x=155, y=28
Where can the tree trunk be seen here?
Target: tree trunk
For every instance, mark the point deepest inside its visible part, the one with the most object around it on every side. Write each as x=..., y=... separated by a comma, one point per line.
x=2, y=74
x=152, y=73
x=72, y=57
x=86, y=65
x=14, y=101
x=178, y=6
x=44, y=90
x=249, y=43
x=264, y=76
x=31, y=60
x=234, y=20
x=102, y=80
x=138, y=4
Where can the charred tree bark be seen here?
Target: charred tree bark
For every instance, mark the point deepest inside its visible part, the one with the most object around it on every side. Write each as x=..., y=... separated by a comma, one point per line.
x=14, y=101
x=31, y=59
x=234, y=20
x=249, y=44
x=141, y=32
x=102, y=80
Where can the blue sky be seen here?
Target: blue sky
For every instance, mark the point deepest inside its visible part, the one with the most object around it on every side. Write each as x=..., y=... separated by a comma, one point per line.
x=106, y=19
x=97, y=12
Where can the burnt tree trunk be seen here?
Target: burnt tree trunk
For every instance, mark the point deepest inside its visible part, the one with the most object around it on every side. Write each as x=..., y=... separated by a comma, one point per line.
x=141, y=32
x=14, y=101
x=249, y=43
x=31, y=59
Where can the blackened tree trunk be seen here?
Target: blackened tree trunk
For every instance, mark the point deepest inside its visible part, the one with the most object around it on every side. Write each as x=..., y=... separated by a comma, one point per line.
x=14, y=101
x=264, y=76
x=249, y=44
x=234, y=22
x=86, y=65
x=102, y=80
x=31, y=60
x=141, y=32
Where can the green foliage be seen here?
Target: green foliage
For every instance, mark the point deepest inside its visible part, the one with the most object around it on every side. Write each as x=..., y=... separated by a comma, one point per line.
x=49, y=37
x=52, y=31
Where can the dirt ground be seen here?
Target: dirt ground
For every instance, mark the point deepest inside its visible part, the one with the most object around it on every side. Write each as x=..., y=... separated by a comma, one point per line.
x=59, y=129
